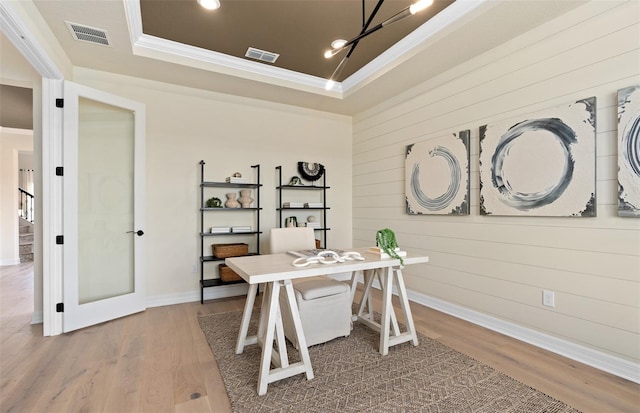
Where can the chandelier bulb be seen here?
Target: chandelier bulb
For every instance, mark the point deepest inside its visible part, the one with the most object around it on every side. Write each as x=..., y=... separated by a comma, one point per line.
x=419, y=6
x=338, y=43
x=209, y=4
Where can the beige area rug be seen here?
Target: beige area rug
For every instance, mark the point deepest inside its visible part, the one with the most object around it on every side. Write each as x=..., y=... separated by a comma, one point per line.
x=351, y=376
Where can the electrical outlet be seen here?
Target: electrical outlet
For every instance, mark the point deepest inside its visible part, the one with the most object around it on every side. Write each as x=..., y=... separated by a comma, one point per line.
x=548, y=298
x=194, y=268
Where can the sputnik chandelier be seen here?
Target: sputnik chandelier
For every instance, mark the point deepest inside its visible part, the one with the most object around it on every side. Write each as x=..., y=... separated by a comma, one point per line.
x=339, y=45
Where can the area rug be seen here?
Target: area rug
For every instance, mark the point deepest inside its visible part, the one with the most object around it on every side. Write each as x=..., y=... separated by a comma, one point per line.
x=352, y=376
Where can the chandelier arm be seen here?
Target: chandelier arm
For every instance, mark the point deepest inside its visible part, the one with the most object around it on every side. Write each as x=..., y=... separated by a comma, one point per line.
x=340, y=67
x=366, y=31
x=353, y=44
x=393, y=19
x=365, y=26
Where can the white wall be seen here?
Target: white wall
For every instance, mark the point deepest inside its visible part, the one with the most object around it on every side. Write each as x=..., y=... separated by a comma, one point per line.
x=498, y=266
x=230, y=134
x=12, y=141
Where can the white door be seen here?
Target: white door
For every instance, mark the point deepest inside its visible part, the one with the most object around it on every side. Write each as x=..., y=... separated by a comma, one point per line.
x=103, y=204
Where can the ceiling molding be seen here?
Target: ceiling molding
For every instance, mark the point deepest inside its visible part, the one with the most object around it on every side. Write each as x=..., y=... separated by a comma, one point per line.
x=178, y=53
x=26, y=43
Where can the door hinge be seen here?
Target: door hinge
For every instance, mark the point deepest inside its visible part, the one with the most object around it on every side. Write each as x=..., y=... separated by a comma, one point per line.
x=59, y=239
x=60, y=308
x=60, y=103
x=59, y=171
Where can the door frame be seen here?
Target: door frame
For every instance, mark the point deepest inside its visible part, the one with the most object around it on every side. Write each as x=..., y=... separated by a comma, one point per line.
x=48, y=134
x=52, y=257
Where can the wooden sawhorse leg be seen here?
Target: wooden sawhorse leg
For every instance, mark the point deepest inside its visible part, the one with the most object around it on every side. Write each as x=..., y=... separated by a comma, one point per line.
x=367, y=301
x=270, y=324
x=244, y=340
x=391, y=275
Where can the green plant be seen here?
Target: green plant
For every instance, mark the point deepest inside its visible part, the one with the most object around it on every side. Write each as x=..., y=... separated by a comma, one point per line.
x=386, y=239
x=213, y=203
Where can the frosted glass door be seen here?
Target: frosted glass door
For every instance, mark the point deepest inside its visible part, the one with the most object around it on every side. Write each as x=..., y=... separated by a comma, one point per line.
x=105, y=201
x=103, y=194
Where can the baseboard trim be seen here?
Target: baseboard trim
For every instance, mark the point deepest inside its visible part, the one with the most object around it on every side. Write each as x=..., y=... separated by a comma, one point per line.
x=10, y=262
x=223, y=291
x=37, y=318
x=594, y=358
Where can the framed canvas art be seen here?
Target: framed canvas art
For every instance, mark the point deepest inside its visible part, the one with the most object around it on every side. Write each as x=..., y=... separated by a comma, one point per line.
x=437, y=176
x=629, y=151
x=542, y=164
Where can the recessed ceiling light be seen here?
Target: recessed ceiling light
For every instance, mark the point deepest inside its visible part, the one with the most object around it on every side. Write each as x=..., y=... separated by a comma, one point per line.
x=209, y=4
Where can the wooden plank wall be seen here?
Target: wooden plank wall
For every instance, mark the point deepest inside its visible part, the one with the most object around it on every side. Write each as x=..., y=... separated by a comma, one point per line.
x=499, y=266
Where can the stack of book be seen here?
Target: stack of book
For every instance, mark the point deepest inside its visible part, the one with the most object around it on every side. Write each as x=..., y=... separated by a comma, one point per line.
x=313, y=205
x=380, y=252
x=241, y=228
x=220, y=230
x=312, y=224
x=293, y=205
x=236, y=180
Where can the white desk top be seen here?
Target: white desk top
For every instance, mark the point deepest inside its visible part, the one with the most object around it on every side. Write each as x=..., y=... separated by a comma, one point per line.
x=255, y=269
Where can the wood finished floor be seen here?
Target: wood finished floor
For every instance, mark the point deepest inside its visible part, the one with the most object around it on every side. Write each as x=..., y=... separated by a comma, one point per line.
x=159, y=360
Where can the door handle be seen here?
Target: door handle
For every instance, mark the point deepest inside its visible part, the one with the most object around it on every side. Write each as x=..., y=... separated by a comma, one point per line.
x=138, y=232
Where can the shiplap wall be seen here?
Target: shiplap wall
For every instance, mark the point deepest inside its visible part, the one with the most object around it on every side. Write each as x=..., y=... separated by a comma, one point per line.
x=498, y=266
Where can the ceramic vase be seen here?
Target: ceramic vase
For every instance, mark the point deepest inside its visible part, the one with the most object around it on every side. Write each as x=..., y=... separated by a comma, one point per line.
x=291, y=222
x=231, y=201
x=245, y=198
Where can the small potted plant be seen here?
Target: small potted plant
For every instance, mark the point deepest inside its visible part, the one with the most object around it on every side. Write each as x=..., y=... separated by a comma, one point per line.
x=386, y=239
x=213, y=203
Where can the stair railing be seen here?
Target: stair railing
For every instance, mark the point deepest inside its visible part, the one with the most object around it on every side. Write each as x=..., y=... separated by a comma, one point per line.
x=26, y=205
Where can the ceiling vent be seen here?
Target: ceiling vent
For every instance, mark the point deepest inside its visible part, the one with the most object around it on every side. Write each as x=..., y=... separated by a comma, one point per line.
x=261, y=55
x=88, y=34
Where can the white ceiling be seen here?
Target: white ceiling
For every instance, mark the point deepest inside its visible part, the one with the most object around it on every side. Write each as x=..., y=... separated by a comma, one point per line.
x=464, y=30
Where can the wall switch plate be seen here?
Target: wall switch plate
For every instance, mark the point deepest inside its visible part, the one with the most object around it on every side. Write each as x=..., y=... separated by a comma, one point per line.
x=548, y=298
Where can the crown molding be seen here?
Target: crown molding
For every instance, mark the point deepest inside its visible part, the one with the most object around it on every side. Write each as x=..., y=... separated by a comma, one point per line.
x=25, y=41
x=178, y=53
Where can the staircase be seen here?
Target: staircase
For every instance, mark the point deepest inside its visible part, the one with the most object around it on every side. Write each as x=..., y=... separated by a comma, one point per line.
x=26, y=240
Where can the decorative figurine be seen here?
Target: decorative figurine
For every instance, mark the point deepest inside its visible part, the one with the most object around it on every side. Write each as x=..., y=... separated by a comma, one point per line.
x=295, y=181
x=245, y=198
x=231, y=200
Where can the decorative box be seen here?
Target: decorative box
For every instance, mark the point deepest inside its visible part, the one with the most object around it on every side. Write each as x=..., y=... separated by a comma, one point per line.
x=230, y=250
x=227, y=274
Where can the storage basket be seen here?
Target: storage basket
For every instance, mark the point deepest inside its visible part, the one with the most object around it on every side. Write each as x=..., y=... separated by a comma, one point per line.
x=227, y=274
x=230, y=250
